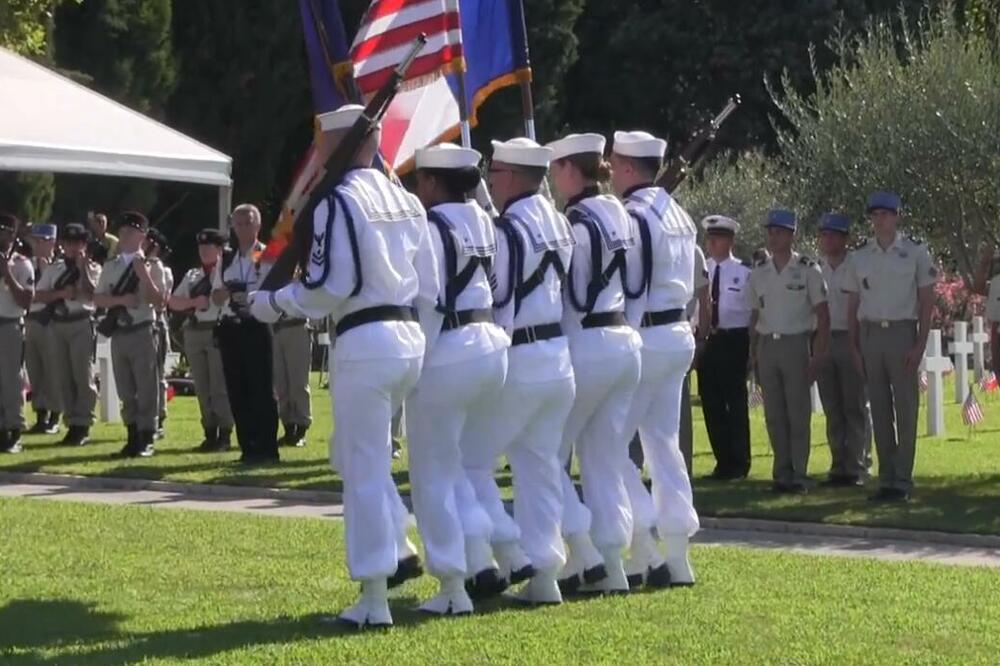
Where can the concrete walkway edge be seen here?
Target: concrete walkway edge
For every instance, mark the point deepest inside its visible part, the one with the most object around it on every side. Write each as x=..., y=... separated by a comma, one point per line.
x=208, y=490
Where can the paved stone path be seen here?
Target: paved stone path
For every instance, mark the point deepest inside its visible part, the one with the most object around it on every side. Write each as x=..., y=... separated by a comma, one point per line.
x=771, y=536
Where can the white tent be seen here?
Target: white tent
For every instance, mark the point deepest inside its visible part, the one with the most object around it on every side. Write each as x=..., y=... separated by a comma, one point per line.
x=50, y=123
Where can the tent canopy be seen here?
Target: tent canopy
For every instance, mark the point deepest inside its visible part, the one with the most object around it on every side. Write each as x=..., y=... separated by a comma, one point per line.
x=50, y=123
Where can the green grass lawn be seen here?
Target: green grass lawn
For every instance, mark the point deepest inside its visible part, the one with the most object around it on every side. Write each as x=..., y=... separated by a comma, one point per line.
x=91, y=584
x=958, y=476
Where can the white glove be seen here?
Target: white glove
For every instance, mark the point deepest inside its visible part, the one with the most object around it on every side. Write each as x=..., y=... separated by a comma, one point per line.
x=263, y=308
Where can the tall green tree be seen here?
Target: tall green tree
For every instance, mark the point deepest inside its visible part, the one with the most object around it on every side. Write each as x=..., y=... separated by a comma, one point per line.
x=122, y=49
x=24, y=25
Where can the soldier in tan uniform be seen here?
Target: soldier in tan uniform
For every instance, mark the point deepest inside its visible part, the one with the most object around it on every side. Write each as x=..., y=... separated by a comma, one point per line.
x=38, y=339
x=17, y=288
x=193, y=296
x=788, y=297
x=841, y=386
x=132, y=289
x=889, y=313
x=156, y=248
x=67, y=289
x=292, y=357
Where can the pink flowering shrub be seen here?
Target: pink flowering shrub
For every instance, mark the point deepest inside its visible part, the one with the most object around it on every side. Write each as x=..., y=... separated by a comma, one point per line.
x=954, y=301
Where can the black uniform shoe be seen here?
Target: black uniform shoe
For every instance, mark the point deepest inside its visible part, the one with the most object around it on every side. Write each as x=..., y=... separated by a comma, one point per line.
x=131, y=444
x=406, y=569
x=211, y=440
x=41, y=423
x=882, y=495
x=524, y=573
x=224, y=443
x=898, y=495
x=485, y=584
x=658, y=578
x=52, y=427
x=144, y=446
x=300, y=437
x=13, y=441
x=76, y=436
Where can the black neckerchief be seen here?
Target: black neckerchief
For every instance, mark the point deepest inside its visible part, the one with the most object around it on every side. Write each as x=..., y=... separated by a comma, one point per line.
x=514, y=200
x=635, y=188
x=585, y=193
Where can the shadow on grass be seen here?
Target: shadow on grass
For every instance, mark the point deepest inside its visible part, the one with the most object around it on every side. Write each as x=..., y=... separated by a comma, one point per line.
x=33, y=627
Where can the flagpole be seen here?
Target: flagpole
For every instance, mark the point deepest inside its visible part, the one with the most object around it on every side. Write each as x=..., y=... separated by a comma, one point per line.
x=527, y=100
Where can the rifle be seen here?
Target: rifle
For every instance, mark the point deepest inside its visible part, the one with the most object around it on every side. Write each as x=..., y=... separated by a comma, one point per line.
x=118, y=316
x=57, y=308
x=296, y=254
x=696, y=150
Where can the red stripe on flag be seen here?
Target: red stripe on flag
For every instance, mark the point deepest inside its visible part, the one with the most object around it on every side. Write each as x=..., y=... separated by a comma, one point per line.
x=382, y=8
x=422, y=66
x=404, y=35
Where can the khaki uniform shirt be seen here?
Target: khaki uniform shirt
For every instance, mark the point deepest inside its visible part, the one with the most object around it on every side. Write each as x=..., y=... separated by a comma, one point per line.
x=785, y=300
x=55, y=271
x=187, y=283
x=837, y=294
x=24, y=273
x=887, y=281
x=113, y=271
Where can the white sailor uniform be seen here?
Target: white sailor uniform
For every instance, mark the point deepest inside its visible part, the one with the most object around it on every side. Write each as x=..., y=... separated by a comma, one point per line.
x=605, y=353
x=462, y=378
x=534, y=248
x=371, y=262
x=668, y=247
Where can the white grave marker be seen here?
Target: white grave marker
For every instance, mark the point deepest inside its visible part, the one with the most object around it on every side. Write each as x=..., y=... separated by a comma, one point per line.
x=961, y=349
x=109, y=407
x=980, y=338
x=935, y=365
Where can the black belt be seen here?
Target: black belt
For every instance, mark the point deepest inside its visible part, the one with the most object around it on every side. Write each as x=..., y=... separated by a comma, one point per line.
x=132, y=328
x=34, y=316
x=453, y=320
x=731, y=331
x=201, y=325
x=9, y=320
x=372, y=315
x=282, y=324
x=529, y=334
x=71, y=318
x=604, y=319
x=662, y=318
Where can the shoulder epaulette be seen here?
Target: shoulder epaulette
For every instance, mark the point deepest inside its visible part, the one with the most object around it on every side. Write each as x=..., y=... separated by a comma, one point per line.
x=746, y=263
x=806, y=261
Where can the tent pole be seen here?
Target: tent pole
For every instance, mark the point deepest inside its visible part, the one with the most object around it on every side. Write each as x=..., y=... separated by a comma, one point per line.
x=225, y=206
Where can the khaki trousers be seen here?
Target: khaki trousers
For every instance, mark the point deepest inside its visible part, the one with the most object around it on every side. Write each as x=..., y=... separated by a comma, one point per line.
x=41, y=368
x=11, y=393
x=895, y=399
x=845, y=402
x=72, y=355
x=292, y=358
x=782, y=367
x=133, y=354
x=209, y=382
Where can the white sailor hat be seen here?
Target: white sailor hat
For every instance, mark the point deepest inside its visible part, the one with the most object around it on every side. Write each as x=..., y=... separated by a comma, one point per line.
x=340, y=119
x=720, y=224
x=639, y=144
x=522, y=152
x=447, y=156
x=576, y=144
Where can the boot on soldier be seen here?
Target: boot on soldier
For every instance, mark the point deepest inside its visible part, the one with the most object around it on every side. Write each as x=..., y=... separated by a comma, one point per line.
x=52, y=426
x=211, y=440
x=76, y=436
x=131, y=445
x=224, y=441
x=41, y=422
x=13, y=442
x=144, y=444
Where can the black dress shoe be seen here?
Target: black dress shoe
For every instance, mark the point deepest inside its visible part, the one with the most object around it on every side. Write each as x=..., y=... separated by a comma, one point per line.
x=77, y=436
x=658, y=578
x=485, y=584
x=52, y=427
x=41, y=423
x=406, y=569
x=594, y=574
x=570, y=585
x=881, y=495
x=524, y=573
x=10, y=442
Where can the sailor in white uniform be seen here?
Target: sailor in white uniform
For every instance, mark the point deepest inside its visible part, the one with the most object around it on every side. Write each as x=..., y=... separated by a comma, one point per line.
x=667, y=247
x=605, y=353
x=534, y=247
x=370, y=264
x=462, y=378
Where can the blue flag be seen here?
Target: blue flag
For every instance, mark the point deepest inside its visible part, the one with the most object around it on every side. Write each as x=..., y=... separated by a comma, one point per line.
x=327, y=50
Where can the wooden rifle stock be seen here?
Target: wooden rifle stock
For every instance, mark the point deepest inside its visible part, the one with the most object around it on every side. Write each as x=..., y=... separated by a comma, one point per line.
x=696, y=150
x=296, y=254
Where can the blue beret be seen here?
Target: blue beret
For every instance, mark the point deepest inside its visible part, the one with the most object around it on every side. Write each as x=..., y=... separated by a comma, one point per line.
x=886, y=200
x=835, y=222
x=46, y=231
x=780, y=218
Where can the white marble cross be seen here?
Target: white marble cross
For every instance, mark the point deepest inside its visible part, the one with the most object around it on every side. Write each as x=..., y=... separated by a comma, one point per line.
x=935, y=364
x=109, y=409
x=961, y=350
x=980, y=338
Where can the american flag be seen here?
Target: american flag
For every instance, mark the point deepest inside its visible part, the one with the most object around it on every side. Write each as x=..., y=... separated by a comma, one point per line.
x=389, y=28
x=756, y=397
x=972, y=413
x=988, y=383
x=923, y=382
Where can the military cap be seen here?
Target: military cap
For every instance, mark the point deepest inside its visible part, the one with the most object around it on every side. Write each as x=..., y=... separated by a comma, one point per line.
x=134, y=219
x=885, y=201
x=44, y=231
x=8, y=222
x=75, y=232
x=835, y=222
x=211, y=237
x=720, y=225
x=779, y=217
